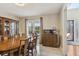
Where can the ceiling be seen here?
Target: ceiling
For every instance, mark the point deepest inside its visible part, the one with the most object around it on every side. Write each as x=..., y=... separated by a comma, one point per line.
x=31, y=9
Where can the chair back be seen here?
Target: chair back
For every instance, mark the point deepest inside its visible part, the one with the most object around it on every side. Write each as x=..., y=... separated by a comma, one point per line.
x=17, y=36
x=26, y=42
x=5, y=38
x=25, y=47
x=1, y=38
x=23, y=35
x=32, y=45
x=35, y=40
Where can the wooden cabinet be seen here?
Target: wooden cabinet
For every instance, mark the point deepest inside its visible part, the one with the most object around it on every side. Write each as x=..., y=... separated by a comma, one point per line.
x=8, y=27
x=1, y=26
x=50, y=39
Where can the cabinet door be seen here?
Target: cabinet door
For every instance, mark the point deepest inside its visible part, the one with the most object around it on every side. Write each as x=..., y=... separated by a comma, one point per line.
x=6, y=26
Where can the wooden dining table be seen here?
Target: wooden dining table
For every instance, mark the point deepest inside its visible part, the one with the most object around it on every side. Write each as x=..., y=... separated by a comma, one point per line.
x=9, y=45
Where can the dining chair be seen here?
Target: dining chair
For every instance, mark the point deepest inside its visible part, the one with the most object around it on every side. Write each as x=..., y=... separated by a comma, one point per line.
x=35, y=43
x=14, y=52
x=32, y=45
x=17, y=36
x=30, y=48
x=0, y=38
x=23, y=35
x=7, y=53
x=23, y=48
x=5, y=38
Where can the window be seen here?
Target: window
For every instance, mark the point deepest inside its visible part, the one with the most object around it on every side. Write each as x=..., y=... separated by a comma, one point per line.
x=73, y=30
x=72, y=5
x=33, y=26
x=70, y=30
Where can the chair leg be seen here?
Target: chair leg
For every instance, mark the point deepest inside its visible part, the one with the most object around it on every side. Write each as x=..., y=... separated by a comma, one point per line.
x=11, y=53
x=32, y=52
x=2, y=54
x=26, y=53
x=36, y=49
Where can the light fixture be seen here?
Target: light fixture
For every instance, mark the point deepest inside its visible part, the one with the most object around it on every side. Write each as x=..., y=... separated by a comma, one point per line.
x=20, y=4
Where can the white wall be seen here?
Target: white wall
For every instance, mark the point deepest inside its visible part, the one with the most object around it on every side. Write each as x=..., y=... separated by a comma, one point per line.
x=7, y=15
x=50, y=20
x=63, y=18
x=21, y=25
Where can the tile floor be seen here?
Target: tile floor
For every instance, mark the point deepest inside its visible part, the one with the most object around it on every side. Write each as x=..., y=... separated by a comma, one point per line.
x=50, y=51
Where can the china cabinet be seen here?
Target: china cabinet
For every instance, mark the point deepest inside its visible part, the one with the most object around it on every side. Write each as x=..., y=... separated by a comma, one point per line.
x=8, y=27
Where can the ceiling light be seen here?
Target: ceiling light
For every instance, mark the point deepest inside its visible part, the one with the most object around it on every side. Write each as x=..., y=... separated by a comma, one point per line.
x=20, y=4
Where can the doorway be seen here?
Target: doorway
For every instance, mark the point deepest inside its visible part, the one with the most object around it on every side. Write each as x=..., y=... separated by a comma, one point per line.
x=33, y=26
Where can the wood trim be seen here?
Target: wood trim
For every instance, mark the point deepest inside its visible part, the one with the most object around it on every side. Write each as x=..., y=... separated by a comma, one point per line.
x=9, y=26
x=41, y=21
x=41, y=24
x=3, y=25
x=26, y=27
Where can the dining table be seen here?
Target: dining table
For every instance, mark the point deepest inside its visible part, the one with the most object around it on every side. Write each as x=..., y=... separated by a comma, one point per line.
x=9, y=45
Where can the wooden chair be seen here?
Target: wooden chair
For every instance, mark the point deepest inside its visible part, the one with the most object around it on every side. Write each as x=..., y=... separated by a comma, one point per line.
x=0, y=38
x=5, y=38
x=32, y=45
x=30, y=48
x=23, y=35
x=35, y=43
x=14, y=52
x=23, y=49
x=17, y=36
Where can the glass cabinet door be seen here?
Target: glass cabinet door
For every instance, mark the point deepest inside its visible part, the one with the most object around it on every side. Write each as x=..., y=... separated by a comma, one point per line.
x=7, y=26
x=12, y=28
